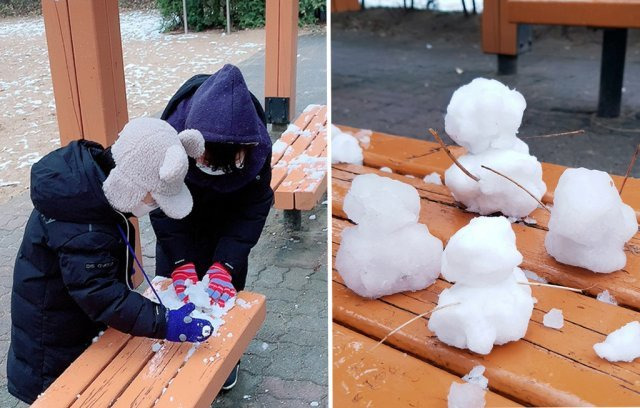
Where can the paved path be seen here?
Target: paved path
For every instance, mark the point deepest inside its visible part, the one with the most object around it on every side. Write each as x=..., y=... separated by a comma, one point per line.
x=395, y=71
x=286, y=364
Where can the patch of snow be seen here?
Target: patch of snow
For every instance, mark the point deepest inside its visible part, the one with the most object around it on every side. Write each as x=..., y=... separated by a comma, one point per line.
x=433, y=178
x=465, y=396
x=553, y=319
x=622, y=344
x=606, y=297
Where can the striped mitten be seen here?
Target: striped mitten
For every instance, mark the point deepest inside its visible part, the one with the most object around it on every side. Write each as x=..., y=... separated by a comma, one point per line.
x=180, y=276
x=220, y=287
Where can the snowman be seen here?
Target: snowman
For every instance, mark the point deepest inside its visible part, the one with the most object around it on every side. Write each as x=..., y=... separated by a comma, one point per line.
x=490, y=303
x=589, y=223
x=388, y=251
x=484, y=116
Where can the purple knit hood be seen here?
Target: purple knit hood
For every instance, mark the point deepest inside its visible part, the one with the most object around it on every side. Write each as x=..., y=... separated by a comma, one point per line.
x=223, y=111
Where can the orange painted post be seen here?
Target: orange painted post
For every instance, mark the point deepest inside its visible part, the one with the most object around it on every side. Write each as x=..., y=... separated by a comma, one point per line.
x=281, y=60
x=85, y=53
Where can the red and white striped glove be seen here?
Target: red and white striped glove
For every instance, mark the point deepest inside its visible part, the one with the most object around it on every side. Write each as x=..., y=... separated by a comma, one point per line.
x=180, y=276
x=220, y=288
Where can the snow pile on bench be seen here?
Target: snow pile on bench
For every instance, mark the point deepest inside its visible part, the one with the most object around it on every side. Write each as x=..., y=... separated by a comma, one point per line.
x=622, y=344
x=344, y=147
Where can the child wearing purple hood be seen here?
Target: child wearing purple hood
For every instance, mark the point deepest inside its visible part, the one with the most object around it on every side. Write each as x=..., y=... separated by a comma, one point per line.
x=230, y=185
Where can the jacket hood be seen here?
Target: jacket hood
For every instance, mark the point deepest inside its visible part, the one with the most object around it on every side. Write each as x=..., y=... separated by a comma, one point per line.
x=223, y=110
x=66, y=184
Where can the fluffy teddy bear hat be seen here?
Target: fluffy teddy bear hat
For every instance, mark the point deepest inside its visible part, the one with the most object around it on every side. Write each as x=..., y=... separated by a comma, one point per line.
x=150, y=156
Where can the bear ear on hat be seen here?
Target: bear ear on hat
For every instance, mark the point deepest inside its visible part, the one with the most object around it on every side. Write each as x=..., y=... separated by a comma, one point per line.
x=193, y=142
x=175, y=165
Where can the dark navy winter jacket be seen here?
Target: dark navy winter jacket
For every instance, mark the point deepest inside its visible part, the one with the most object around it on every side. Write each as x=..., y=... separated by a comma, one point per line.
x=225, y=223
x=69, y=280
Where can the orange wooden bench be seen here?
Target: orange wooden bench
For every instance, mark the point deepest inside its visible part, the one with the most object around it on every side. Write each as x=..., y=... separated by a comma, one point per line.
x=299, y=164
x=120, y=370
x=504, y=32
x=338, y=6
x=546, y=368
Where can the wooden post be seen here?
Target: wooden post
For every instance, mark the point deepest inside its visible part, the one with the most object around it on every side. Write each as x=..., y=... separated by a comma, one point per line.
x=85, y=54
x=281, y=60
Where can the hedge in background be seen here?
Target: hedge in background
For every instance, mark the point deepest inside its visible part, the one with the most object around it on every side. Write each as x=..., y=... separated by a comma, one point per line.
x=203, y=14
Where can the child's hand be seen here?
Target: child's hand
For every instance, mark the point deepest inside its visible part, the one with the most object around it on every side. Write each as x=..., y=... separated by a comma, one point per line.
x=180, y=276
x=220, y=288
x=182, y=327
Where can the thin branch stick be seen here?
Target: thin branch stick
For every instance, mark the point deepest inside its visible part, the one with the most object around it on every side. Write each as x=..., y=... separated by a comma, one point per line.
x=451, y=156
x=626, y=175
x=517, y=184
x=548, y=285
x=392, y=332
x=575, y=132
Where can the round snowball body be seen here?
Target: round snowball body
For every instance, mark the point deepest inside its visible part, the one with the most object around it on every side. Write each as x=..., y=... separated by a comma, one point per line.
x=589, y=223
x=485, y=113
x=486, y=316
x=344, y=147
x=381, y=203
x=482, y=253
x=493, y=193
x=379, y=264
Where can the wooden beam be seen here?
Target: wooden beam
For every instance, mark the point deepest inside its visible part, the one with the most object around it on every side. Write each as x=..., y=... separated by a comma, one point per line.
x=591, y=13
x=85, y=54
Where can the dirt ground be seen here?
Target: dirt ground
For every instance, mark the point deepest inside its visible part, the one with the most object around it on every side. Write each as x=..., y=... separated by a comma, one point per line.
x=156, y=64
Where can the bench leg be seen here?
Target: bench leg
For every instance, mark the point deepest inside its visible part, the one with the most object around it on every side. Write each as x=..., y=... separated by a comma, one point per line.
x=614, y=48
x=293, y=219
x=507, y=64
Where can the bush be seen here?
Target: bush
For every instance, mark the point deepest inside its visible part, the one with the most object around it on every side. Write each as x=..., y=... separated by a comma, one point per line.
x=203, y=14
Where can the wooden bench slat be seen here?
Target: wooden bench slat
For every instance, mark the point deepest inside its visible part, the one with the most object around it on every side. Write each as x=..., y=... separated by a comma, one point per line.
x=387, y=377
x=148, y=385
x=444, y=220
x=115, y=377
x=601, y=13
x=421, y=157
x=297, y=182
x=63, y=392
x=520, y=370
x=198, y=382
x=289, y=137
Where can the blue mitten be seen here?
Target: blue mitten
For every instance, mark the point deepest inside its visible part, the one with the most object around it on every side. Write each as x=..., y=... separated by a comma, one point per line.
x=182, y=327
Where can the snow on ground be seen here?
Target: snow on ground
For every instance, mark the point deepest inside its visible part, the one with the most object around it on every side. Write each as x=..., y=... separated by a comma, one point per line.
x=442, y=5
x=156, y=64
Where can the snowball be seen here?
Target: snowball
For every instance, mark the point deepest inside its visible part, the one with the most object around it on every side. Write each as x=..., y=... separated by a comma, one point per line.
x=484, y=114
x=381, y=202
x=606, y=297
x=388, y=251
x=553, y=319
x=155, y=347
x=476, y=376
x=589, y=223
x=494, y=308
x=433, y=178
x=344, y=147
x=481, y=253
x=465, y=396
x=378, y=264
x=493, y=193
x=386, y=169
x=622, y=344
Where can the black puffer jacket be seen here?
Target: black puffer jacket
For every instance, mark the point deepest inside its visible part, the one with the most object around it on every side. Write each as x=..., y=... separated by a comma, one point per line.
x=69, y=280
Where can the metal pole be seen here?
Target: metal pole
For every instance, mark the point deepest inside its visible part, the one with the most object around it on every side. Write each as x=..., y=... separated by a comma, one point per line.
x=184, y=16
x=614, y=48
x=228, y=18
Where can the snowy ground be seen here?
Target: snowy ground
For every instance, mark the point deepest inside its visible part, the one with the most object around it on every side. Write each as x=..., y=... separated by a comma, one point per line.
x=441, y=5
x=156, y=64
